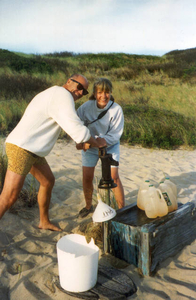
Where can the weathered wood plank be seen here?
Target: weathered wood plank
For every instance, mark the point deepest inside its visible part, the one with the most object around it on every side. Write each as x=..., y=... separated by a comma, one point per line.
x=84, y=295
x=119, y=277
x=178, y=232
x=132, y=215
x=125, y=242
x=144, y=261
x=106, y=244
x=107, y=294
x=113, y=285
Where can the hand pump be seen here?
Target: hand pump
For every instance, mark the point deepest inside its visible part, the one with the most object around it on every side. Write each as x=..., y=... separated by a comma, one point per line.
x=106, y=182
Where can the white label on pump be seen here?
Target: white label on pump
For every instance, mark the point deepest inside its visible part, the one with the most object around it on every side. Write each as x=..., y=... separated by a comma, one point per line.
x=167, y=200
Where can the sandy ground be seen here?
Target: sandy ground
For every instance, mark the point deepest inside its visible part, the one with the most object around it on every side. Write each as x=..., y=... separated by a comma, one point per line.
x=28, y=257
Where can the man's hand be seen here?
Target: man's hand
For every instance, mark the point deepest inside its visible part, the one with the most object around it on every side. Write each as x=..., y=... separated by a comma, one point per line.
x=86, y=146
x=83, y=146
x=79, y=146
x=97, y=143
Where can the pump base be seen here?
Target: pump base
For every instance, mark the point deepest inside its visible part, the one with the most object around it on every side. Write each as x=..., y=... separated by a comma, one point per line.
x=106, y=184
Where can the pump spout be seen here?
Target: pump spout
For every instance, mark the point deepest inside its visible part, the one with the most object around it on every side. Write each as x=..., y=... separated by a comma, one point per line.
x=107, y=161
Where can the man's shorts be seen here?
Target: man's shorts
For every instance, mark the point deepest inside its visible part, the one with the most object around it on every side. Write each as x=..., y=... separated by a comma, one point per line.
x=20, y=160
x=91, y=156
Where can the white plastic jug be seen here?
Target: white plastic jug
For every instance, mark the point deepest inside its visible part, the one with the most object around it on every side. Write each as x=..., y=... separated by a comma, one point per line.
x=77, y=263
x=172, y=185
x=155, y=205
x=141, y=197
x=169, y=195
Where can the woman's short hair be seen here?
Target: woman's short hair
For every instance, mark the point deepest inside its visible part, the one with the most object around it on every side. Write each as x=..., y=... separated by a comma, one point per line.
x=102, y=84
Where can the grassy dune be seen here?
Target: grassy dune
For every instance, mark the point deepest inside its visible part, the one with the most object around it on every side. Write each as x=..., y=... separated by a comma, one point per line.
x=157, y=94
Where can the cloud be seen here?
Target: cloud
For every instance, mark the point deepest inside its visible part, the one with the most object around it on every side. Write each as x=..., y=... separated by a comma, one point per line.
x=97, y=25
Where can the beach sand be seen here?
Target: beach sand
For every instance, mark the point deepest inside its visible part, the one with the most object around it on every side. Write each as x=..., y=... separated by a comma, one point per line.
x=28, y=257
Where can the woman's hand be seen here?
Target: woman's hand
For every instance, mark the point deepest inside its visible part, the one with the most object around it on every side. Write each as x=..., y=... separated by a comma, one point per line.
x=101, y=142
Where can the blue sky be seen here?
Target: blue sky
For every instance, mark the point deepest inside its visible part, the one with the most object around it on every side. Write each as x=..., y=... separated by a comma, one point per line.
x=130, y=26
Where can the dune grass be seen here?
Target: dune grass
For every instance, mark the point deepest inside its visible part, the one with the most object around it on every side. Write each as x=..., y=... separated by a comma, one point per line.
x=3, y=167
x=151, y=127
x=157, y=94
x=179, y=97
x=10, y=114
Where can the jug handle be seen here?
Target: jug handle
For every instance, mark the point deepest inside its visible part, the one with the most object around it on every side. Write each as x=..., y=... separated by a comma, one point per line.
x=160, y=193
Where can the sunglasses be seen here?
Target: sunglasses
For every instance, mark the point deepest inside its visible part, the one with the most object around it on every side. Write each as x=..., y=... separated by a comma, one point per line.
x=80, y=87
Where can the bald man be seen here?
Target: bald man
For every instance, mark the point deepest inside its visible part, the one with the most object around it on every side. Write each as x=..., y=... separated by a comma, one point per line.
x=34, y=137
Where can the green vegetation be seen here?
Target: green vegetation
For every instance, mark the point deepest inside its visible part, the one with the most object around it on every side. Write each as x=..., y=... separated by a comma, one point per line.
x=3, y=168
x=157, y=94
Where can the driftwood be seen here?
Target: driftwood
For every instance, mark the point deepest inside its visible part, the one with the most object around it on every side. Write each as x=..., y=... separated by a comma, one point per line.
x=146, y=242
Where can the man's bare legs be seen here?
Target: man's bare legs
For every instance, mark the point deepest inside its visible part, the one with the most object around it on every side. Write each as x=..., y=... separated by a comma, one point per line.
x=88, y=175
x=45, y=177
x=12, y=186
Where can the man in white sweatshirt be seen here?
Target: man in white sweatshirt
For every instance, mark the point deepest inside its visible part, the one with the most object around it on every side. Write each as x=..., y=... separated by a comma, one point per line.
x=34, y=137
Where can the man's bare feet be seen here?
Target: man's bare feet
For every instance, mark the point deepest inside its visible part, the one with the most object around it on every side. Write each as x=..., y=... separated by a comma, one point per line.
x=49, y=226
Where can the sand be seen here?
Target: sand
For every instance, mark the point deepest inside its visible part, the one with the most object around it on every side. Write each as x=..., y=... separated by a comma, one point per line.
x=28, y=258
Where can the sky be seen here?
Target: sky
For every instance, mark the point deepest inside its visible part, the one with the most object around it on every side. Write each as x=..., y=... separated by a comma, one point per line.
x=150, y=27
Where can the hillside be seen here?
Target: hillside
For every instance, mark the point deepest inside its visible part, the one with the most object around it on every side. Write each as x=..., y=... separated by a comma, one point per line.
x=157, y=94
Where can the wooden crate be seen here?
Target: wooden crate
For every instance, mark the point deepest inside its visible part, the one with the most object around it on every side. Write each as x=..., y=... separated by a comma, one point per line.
x=146, y=242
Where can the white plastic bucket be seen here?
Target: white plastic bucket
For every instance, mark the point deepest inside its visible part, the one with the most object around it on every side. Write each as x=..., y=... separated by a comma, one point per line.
x=77, y=263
